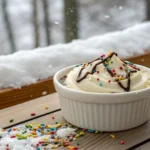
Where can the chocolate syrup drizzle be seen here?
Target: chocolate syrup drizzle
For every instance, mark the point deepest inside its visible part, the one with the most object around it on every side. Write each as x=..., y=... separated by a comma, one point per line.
x=127, y=89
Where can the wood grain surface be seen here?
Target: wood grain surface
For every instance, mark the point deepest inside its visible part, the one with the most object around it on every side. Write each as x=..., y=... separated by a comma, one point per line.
x=23, y=111
x=141, y=60
x=90, y=141
x=144, y=147
x=103, y=141
x=10, y=97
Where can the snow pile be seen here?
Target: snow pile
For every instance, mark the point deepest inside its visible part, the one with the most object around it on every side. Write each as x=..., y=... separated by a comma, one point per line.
x=15, y=144
x=64, y=132
x=26, y=67
x=30, y=142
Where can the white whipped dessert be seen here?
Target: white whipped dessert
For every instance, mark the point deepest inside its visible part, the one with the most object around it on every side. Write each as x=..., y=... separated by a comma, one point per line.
x=107, y=74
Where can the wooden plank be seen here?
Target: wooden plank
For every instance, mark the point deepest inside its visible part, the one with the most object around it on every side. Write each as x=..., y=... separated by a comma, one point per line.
x=10, y=97
x=23, y=111
x=141, y=60
x=48, y=119
x=144, y=147
x=89, y=141
x=103, y=141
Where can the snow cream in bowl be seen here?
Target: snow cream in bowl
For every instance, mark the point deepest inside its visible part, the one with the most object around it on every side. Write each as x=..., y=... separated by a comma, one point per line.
x=106, y=94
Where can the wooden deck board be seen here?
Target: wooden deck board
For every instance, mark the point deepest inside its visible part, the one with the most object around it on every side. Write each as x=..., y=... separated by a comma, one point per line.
x=10, y=97
x=90, y=141
x=144, y=147
x=48, y=119
x=23, y=111
x=103, y=141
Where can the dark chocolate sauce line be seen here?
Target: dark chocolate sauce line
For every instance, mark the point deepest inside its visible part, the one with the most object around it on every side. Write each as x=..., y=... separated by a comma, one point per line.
x=110, y=72
x=127, y=89
x=94, y=68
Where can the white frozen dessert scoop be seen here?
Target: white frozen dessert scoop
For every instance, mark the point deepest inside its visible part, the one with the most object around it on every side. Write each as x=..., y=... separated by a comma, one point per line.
x=107, y=74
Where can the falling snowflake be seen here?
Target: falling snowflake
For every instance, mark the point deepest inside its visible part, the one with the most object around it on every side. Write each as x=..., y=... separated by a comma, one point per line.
x=56, y=22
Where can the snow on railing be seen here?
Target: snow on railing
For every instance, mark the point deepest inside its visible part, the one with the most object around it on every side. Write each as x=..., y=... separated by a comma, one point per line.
x=26, y=67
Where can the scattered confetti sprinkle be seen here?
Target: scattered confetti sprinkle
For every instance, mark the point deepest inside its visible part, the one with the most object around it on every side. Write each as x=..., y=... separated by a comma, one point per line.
x=53, y=117
x=12, y=120
x=112, y=136
x=46, y=107
x=84, y=130
x=122, y=142
x=96, y=132
x=33, y=114
x=81, y=133
x=90, y=131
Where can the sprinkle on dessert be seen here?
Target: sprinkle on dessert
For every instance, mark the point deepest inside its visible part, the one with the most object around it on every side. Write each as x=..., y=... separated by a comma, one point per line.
x=120, y=78
x=110, y=53
x=102, y=56
x=120, y=68
x=101, y=84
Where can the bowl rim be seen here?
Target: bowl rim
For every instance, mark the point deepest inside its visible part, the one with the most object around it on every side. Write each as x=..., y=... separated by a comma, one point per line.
x=94, y=93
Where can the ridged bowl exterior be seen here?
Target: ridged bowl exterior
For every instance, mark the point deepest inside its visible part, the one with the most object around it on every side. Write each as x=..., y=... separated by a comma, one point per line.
x=105, y=117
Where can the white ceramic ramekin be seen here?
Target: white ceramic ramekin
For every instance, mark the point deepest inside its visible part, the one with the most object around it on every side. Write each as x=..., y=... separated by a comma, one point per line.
x=103, y=111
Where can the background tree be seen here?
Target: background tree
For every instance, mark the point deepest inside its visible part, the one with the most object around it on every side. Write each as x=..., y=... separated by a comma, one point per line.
x=148, y=9
x=35, y=23
x=70, y=19
x=46, y=21
x=8, y=25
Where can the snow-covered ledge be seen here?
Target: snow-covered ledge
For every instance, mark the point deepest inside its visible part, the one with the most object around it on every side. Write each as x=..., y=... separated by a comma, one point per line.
x=27, y=67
